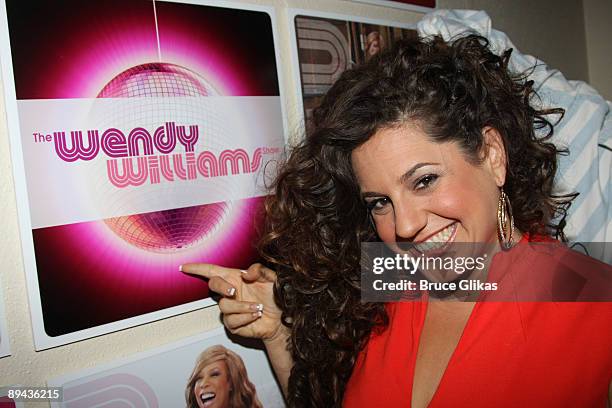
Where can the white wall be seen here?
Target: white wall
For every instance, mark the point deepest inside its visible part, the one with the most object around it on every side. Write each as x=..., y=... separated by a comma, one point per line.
x=553, y=33
x=573, y=36
x=552, y=30
x=598, y=28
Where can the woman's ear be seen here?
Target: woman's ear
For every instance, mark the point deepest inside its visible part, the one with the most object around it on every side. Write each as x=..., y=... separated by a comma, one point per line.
x=495, y=158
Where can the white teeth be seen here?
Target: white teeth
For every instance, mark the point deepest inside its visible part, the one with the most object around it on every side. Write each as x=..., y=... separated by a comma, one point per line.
x=437, y=241
x=207, y=395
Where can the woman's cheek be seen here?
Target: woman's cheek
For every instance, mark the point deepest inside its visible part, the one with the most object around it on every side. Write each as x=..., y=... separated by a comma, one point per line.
x=385, y=227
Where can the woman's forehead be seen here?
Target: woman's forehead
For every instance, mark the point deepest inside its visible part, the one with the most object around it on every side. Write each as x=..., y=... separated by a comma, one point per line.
x=401, y=144
x=214, y=365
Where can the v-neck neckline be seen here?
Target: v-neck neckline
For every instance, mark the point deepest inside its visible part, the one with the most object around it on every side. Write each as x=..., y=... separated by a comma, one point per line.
x=460, y=343
x=458, y=346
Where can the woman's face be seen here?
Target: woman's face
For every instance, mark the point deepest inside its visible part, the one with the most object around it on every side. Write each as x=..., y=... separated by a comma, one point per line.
x=374, y=43
x=212, y=387
x=427, y=193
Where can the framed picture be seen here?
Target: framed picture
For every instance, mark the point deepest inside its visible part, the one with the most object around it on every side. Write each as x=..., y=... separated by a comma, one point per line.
x=8, y=402
x=325, y=45
x=139, y=134
x=177, y=375
x=4, y=339
x=422, y=6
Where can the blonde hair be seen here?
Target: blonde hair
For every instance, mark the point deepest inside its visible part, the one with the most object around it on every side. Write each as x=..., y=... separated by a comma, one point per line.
x=242, y=391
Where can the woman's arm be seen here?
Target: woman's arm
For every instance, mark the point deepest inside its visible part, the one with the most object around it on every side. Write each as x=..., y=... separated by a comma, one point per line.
x=249, y=309
x=280, y=357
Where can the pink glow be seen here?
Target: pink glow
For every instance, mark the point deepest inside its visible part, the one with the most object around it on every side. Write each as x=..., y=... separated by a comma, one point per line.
x=93, y=65
x=133, y=266
x=97, y=59
x=206, y=61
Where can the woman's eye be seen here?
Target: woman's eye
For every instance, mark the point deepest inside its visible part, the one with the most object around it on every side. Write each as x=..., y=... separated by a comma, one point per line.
x=425, y=181
x=378, y=205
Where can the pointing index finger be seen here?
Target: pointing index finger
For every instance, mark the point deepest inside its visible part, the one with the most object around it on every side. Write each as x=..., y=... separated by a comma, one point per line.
x=207, y=270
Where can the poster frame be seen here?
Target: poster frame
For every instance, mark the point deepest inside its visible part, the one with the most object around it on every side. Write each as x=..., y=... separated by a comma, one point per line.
x=43, y=341
x=292, y=13
x=203, y=337
x=5, y=345
x=397, y=4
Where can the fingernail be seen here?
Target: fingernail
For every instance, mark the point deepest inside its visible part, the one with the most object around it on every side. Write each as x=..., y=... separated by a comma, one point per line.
x=231, y=291
x=257, y=314
x=243, y=271
x=181, y=268
x=257, y=307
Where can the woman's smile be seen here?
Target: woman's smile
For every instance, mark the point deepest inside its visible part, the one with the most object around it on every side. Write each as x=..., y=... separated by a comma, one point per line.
x=439, y=241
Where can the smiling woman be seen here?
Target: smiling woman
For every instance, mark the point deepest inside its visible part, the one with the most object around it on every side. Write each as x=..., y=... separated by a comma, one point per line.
x=428, y=145
x=426, y=192
x=219, y=380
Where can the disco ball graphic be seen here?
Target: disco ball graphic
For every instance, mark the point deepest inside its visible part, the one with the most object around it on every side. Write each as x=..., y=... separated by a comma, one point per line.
x=176, y=229
x=156, y=80
x=169, y=230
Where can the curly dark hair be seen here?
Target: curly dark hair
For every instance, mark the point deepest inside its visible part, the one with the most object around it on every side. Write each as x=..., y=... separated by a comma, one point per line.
x=316, y=218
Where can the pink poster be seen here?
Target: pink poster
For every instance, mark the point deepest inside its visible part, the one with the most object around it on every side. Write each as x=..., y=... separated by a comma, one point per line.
x=140, y=133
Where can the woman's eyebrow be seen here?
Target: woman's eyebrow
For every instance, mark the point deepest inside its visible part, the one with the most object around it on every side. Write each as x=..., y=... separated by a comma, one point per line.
x=371, y=194
x=404, y=177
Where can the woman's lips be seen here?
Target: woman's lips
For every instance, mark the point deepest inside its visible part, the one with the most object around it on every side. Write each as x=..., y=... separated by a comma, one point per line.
x=439, y=241
x=207, y=398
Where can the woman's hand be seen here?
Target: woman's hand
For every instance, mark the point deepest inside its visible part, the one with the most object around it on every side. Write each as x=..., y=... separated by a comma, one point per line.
x=247, y=304
x=249, y=309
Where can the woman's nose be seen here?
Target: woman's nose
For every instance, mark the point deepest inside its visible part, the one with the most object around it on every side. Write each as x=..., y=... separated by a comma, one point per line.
x=409, y=220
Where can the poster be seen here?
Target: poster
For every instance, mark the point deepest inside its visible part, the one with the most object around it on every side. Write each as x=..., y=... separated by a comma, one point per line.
x=140, y=131
x=160, y=377
x=325, y=45
x=7, y=402
x=4, y=339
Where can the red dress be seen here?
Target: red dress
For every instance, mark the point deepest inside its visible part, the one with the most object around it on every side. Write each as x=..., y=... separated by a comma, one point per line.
x=510, y=354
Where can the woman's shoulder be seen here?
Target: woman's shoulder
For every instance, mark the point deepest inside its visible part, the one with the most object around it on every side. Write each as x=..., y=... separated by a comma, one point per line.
x=543, y=269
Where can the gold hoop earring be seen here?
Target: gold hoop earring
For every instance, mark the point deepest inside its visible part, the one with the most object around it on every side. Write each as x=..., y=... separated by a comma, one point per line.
x=504, y=217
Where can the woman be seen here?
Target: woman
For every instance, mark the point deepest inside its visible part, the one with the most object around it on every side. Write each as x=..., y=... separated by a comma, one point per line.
x=219, y=380
x=374, y=44
x=429, y=142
